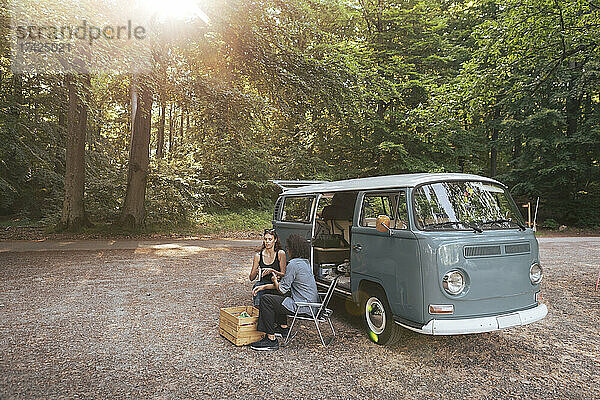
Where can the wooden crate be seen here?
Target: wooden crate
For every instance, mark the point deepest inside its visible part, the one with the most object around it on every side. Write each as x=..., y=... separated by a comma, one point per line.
x=239, y=330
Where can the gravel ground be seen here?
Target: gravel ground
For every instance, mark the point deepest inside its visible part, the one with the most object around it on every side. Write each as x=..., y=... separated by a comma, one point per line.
x=143, y=323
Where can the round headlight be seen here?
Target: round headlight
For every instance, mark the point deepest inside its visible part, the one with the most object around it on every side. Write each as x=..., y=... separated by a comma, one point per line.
x=453, y=282
x=535, y=273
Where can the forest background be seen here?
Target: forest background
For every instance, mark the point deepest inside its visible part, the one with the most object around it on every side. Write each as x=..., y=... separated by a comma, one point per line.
x=310, y=89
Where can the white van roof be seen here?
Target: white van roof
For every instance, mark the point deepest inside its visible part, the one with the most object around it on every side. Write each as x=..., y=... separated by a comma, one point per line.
x=385, y=182
x=285, y=185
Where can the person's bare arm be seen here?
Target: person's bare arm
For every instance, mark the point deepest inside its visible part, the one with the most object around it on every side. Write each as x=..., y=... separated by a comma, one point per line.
x=262, y=287
x=282, y=263
x=254, y=271
x=275, y=282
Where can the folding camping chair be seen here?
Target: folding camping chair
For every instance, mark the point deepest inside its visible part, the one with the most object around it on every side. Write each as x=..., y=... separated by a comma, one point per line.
x=323, y=313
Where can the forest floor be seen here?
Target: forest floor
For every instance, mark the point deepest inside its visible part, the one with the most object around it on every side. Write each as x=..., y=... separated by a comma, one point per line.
x=138, y=319
x=239, y=224
x=39, y=233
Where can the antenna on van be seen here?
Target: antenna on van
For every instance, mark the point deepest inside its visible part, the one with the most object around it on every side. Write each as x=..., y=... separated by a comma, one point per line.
x=537, y=203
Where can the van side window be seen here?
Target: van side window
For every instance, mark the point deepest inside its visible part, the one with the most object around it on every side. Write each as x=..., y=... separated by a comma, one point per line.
x=401, y=212
x=391, y=204
x=375, y=205
x=297, y=209
x=323, y=202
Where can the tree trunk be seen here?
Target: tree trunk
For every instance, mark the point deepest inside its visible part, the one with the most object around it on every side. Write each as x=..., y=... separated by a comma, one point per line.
x=160, y=145
x=181, y=127
x=572, y=107
x=494, y=152
x=98, y=137
x=573, y=101
x=171, y=129
x=73, y=212
x=495, y=116
x=133, y=213
x=17, y=96
x=517, y=146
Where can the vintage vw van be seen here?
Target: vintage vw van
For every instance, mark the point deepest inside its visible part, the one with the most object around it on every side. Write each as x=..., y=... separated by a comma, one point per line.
x=439, y=254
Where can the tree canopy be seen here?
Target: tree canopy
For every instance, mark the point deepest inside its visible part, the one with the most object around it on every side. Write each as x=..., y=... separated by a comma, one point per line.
x=325, y=89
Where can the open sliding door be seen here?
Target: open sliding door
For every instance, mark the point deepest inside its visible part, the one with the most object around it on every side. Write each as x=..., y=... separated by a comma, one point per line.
x=295, y=215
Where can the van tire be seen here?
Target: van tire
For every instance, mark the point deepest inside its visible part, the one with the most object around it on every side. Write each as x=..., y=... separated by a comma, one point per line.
x=378, y=318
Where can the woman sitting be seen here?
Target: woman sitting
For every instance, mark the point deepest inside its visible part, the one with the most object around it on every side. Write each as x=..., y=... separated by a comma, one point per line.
x=297, y=285
x=269, y=261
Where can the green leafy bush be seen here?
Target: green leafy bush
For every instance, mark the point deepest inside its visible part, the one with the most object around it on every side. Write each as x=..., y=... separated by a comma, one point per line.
x=550, y=224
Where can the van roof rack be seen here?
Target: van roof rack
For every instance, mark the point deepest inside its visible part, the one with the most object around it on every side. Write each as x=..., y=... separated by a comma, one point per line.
x=385, y=182
x=285, y=185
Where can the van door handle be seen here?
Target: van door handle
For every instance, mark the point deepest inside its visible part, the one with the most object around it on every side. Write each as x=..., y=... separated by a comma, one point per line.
x=357, y=247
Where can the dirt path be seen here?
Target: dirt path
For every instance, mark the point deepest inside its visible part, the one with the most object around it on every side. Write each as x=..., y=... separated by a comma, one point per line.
x=141, y=321
x=190, y=245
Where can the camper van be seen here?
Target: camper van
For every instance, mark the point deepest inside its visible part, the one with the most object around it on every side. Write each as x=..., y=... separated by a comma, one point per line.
x=439, y=254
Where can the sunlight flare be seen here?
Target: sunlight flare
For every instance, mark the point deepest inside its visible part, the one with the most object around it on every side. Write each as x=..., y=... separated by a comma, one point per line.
x=176, y=9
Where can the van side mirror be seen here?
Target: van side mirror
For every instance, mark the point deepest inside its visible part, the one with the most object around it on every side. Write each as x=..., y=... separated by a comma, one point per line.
x=383, y=224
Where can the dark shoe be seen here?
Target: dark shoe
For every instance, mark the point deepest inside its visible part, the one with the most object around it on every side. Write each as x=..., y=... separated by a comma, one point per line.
x=265, y=344
x=281, y=332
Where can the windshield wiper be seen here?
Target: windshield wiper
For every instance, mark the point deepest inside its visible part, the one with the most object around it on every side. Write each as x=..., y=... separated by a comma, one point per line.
x=457, y=223
x=503, y=220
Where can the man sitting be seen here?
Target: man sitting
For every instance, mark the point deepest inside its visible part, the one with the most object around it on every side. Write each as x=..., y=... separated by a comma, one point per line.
x=298, y=284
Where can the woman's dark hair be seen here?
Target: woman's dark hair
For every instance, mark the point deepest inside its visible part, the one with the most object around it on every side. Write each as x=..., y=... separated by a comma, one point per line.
x=297, y=247
x=277, y=246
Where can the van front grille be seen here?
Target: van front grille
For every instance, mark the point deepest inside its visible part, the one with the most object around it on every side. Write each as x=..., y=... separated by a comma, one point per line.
x=481, y=251
x=518, y=248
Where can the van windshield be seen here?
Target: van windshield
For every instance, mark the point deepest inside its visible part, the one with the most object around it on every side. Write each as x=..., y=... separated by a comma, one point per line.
x=465, y=206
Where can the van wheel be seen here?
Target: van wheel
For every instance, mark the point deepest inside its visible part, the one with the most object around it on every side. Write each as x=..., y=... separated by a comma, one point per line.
x=378, y=318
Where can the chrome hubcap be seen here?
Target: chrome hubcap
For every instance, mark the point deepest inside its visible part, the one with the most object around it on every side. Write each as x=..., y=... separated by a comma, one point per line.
x=375, y=315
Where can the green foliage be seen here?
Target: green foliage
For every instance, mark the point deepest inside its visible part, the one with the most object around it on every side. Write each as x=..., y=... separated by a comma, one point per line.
x=217, y=221
x=31, y=156
x=104, y=187
x=550, y=224
x=329, y=90
x=175, y=199
x=538, y=64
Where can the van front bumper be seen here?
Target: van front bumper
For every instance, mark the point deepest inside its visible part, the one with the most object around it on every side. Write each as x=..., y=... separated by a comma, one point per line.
x=482, y=324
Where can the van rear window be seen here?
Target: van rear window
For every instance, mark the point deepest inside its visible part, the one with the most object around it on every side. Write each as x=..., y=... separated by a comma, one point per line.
x=297, y=209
